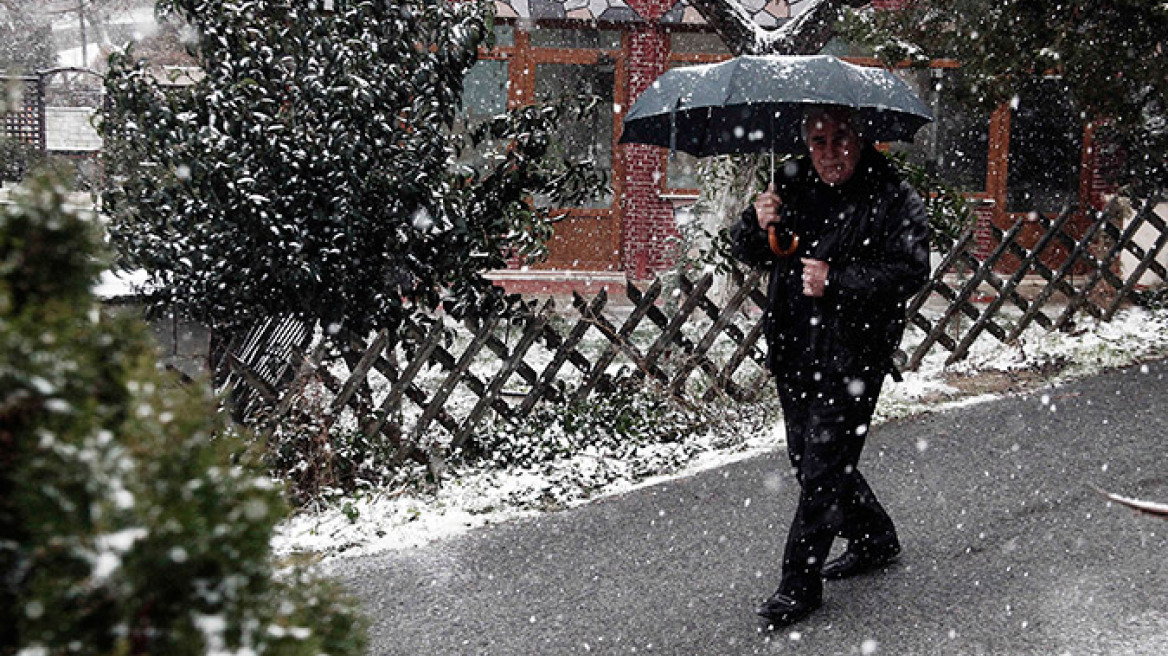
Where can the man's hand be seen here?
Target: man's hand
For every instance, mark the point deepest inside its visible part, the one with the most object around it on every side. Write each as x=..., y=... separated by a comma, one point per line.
x=766, y=206
x=814, y=277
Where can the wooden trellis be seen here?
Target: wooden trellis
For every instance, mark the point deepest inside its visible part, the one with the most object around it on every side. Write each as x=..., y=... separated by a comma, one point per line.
x=690, y=348
x=676, y=361
x=25, y=121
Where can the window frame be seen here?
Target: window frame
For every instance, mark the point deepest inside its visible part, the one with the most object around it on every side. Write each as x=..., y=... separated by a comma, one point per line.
x=523, y=88
x=574, y=226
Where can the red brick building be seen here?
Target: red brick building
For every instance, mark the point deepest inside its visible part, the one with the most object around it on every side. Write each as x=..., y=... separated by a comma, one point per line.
x=613, y=49
x=1021, y=160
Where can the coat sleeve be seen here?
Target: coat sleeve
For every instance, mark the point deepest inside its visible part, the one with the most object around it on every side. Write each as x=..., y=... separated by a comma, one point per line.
x=902, y=266
x=749, y=243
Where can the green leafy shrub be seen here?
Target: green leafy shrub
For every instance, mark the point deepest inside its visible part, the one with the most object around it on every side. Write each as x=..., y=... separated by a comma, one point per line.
x=319, y=461
x=309, y=172
x=126, y=526
x=1152, y=299
x=614, y=424
x=16, y=158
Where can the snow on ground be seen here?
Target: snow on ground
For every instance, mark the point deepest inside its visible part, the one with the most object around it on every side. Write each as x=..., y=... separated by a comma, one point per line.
x=383, y=521
x=121, y=284
x=140, y=19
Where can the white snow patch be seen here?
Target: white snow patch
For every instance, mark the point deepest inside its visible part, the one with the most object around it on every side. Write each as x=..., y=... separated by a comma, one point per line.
x=380, y=522
x=108, y=551
x=119, y=284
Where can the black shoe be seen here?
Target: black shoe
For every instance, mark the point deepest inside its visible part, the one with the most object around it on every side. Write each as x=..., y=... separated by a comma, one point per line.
x=852, y=563
x=782, y=610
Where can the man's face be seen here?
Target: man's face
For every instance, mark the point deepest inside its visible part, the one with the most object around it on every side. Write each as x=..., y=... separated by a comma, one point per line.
x=835, y=149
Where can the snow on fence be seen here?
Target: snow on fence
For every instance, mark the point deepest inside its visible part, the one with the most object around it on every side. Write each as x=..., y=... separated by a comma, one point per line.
x=453, y=375
x=429, y=392
x=1088, y=276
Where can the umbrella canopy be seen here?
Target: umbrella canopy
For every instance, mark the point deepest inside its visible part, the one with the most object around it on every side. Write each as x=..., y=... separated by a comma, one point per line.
x=753, y=104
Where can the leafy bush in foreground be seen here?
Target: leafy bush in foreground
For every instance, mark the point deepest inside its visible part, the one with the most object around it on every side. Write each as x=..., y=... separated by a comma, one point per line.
x=127, y=528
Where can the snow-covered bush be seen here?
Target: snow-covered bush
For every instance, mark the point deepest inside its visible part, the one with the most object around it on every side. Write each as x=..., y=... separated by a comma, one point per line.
x=16, y=157
x=126, y=526
x=612, y=424
x=318, y=460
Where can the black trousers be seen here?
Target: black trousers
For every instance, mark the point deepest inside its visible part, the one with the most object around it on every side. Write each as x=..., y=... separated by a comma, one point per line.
x=827, y=419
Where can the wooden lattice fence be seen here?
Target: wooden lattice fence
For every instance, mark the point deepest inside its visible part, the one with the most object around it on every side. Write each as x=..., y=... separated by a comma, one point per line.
x=452, y=375
x=429, y=392
x=1064, y=291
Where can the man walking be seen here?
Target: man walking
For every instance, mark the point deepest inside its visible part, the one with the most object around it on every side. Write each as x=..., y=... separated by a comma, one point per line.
x=850, y=247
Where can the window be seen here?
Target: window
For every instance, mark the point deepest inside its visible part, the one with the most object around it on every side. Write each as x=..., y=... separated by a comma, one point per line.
x=955, y=146
x=575, y=39
x=841, y=48
x=697, y=43
x=485, y=89
x=504, y=36
x=1046, y=144
x=591, y=135
x=681, y=169
x=689, y=48
x=531, y=63
x=484, y=94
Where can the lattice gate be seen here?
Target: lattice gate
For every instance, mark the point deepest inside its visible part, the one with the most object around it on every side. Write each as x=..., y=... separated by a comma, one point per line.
x=22, y=124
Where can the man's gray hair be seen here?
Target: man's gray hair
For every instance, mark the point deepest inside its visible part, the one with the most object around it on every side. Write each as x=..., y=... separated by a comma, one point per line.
x=815, y=113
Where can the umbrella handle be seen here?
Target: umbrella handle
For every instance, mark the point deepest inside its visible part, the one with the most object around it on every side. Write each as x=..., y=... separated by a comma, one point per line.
x=773, y=241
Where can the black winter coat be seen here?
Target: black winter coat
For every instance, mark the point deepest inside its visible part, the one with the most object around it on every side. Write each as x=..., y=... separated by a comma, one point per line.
x=873, y=231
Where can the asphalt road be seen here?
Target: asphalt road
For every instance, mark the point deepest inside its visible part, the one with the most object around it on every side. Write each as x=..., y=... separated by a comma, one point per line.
x=1007, y=549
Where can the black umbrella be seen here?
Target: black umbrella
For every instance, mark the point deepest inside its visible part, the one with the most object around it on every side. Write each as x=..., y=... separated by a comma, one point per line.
x=754, y=104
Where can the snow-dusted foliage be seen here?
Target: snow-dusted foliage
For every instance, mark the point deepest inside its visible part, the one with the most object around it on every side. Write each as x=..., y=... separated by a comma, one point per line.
x=26, y=41
x=310, y=170
x=1110, y=56
x=125, y=527
x=615, y=423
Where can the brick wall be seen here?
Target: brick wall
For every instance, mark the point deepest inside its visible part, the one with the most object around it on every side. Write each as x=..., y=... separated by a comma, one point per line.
x=1101, y=161
x=648, y=219
x=984, y=242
